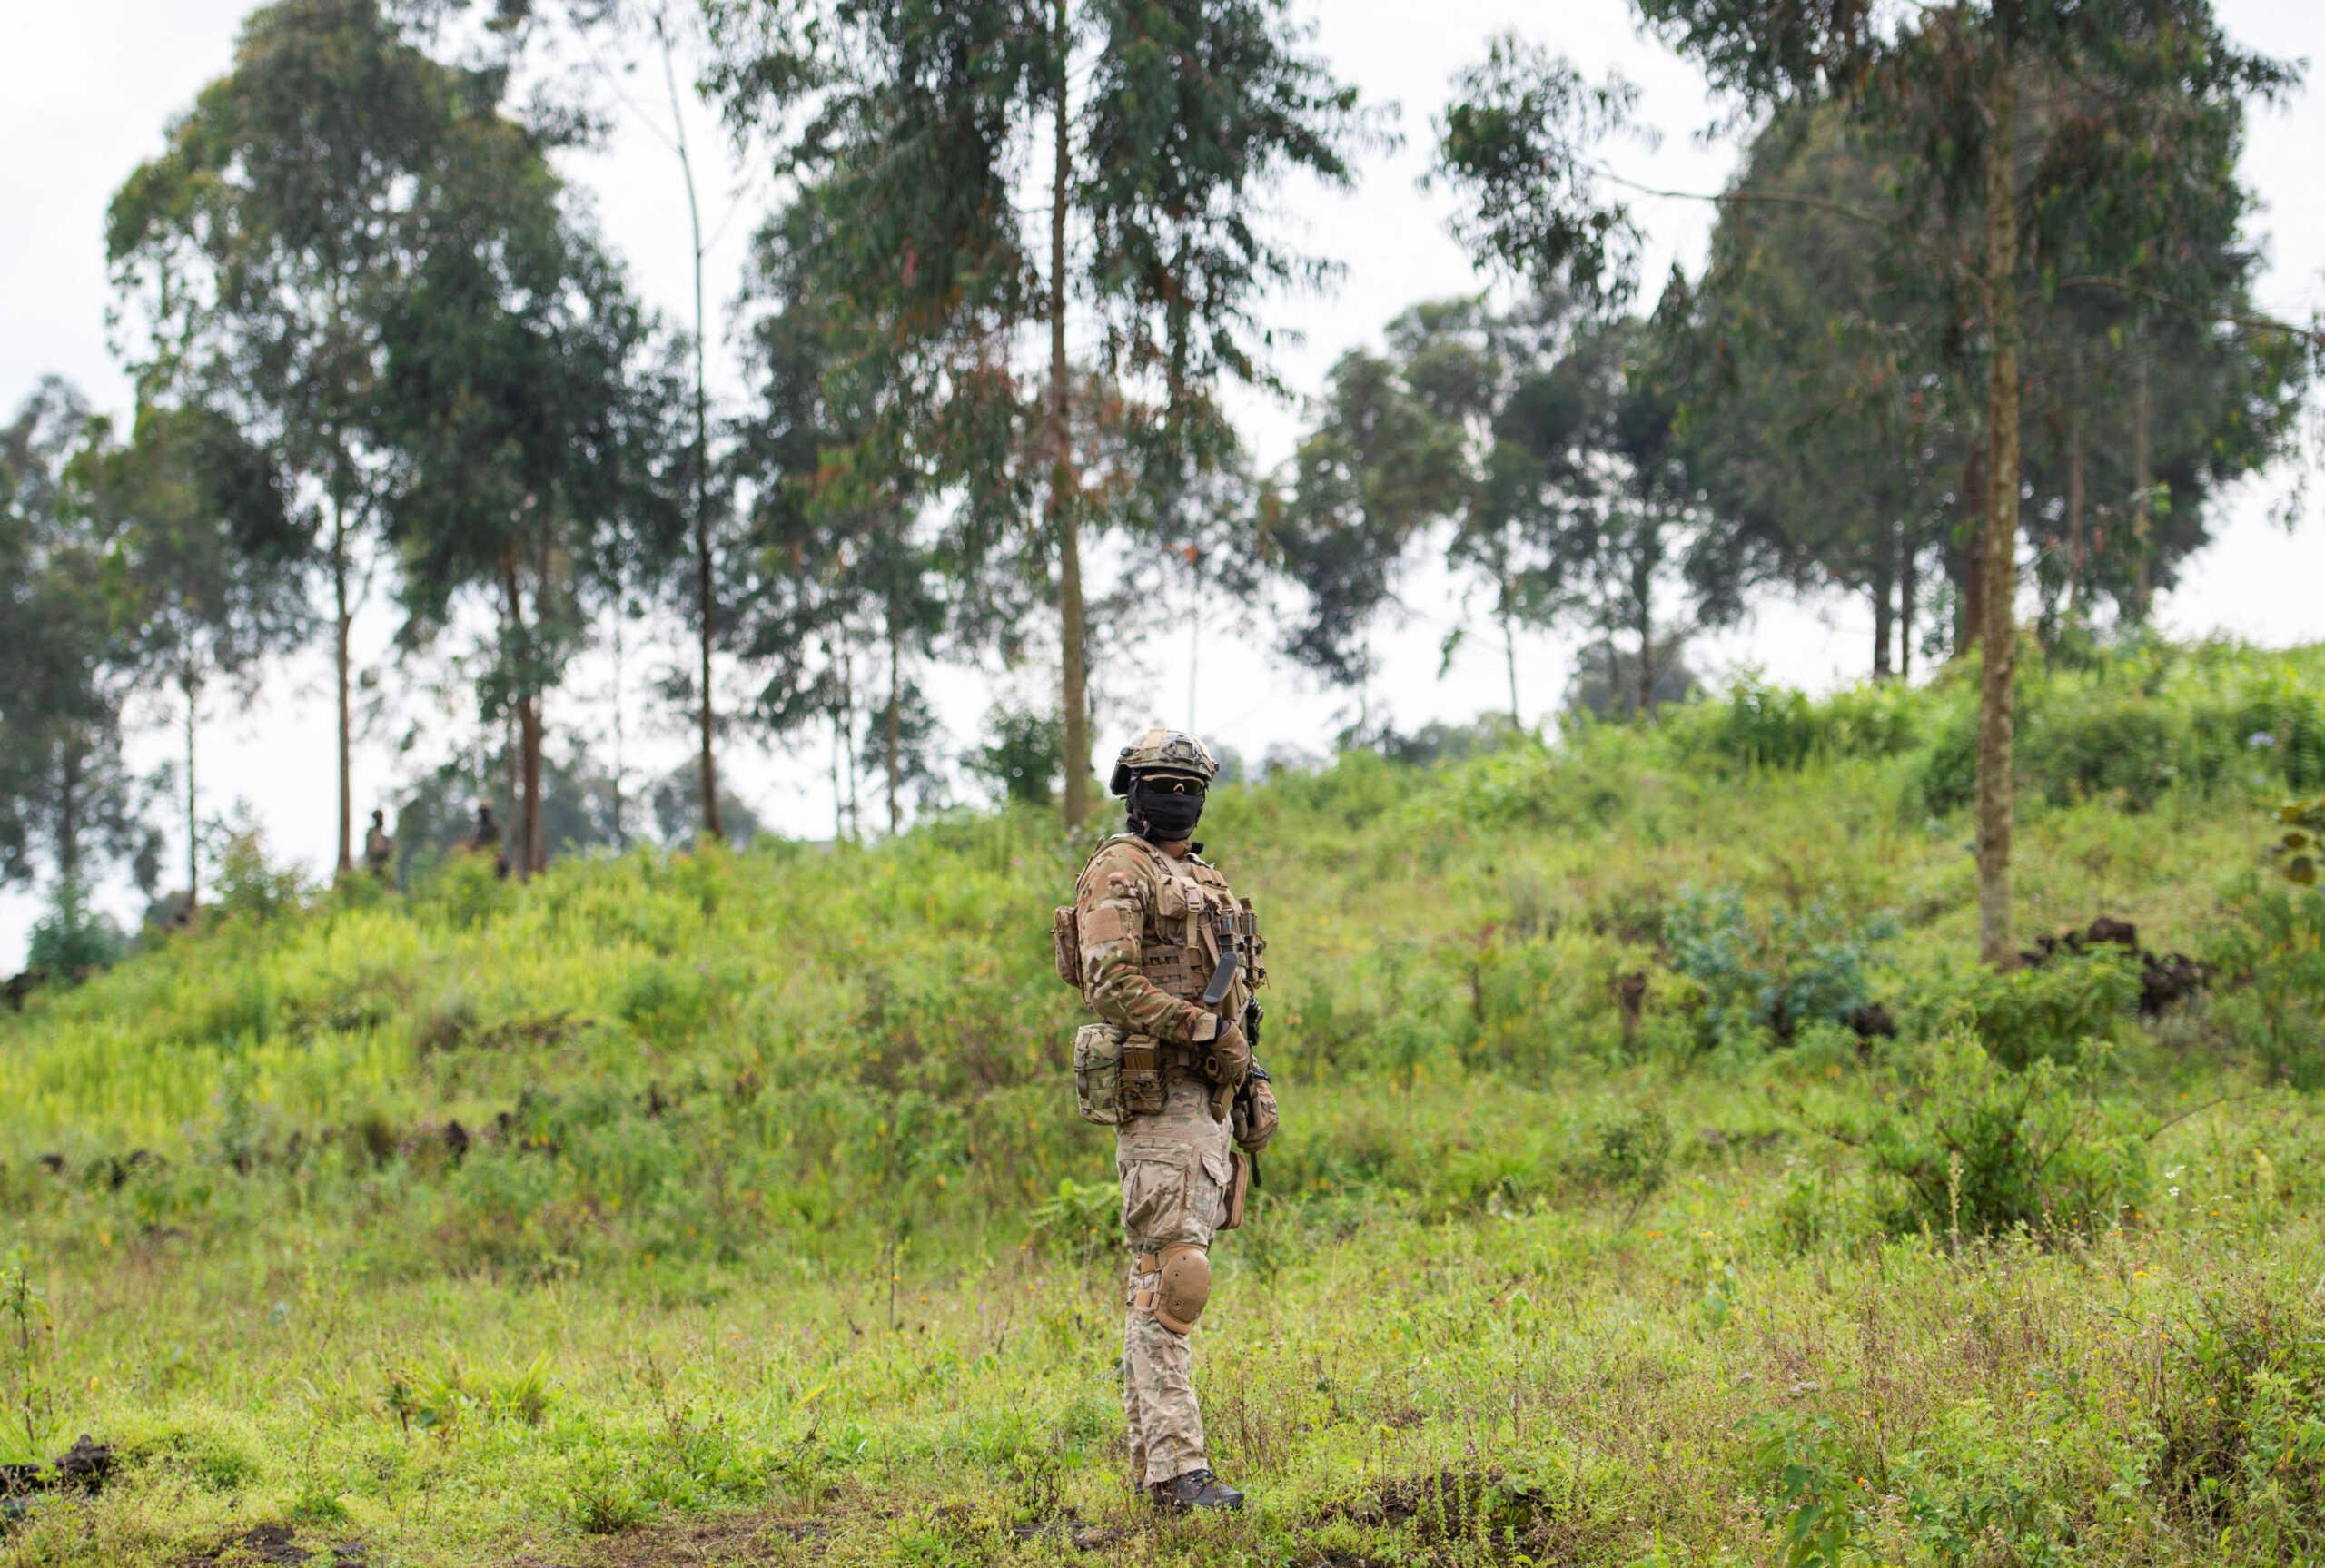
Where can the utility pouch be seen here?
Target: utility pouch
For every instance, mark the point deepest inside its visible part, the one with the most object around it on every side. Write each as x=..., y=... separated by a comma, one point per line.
x=1142, y=1076
x=1065, y=940
x=1098, y=1073
x=1239, y=1189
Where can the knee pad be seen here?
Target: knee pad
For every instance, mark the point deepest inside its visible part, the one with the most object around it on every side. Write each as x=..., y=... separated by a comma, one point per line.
x=1183, y=1289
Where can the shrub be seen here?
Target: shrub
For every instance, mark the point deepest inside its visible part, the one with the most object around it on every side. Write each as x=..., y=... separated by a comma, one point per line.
x=2054, y=1011
x=2273, y=956
x=71, y=939
x=1777, y=973
x=1974, y=1148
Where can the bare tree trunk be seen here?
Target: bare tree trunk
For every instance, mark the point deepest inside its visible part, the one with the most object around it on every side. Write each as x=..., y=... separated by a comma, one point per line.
x=621, y=831
x=1883, y=616
x=2144, y=478
x=192, y=798
x=1999, y=630
x=1063, y=514
x=341, y=622
x=895, y=722
x=1643, y=595
x=1908, y=586
x=1510, y=658
x=2075, y=491
x=705, y=605
x=527, y=828
x=68, y=813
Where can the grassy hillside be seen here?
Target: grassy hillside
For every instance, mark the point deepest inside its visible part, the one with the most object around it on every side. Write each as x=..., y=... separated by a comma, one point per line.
x=731, y=1207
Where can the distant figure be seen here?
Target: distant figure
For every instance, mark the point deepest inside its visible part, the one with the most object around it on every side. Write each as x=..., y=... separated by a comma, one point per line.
x=378, y=849
x=486, y=840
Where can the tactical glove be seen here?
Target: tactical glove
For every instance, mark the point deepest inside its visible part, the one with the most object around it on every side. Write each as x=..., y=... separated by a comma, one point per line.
x=1255, y=1117
x=1228, y=1062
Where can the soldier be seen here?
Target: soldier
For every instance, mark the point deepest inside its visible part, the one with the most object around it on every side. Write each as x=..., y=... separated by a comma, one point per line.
x=486, y=840
x=1169, y=956
x=378, y=849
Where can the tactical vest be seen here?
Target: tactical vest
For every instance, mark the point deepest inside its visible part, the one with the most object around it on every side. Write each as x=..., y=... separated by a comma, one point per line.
x=1180, y=943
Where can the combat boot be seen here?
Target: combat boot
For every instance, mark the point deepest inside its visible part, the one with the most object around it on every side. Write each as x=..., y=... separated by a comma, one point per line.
x=1197, y=1489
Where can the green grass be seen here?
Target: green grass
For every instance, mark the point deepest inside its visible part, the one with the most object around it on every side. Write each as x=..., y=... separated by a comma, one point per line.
x=769, y=1240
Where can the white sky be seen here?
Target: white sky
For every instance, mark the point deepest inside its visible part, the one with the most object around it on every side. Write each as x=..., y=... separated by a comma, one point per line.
x=93, y=85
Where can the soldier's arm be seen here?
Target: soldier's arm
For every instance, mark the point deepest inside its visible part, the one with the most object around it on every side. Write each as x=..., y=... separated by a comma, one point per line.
x=1110, y=911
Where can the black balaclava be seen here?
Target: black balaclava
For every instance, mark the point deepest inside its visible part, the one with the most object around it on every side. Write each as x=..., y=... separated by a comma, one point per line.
x=1160, y=818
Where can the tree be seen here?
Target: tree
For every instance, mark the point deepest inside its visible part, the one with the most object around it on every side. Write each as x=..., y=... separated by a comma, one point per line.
x=1375, y=469
x=516, y=391
x=65, y=793
x=847, y=581
x=910, y=117
x=1828, y=405
x=2078, y=137
x=210, y=559
x=264, y=248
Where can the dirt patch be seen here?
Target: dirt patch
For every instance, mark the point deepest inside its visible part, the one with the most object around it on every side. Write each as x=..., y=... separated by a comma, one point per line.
x=277, y=1545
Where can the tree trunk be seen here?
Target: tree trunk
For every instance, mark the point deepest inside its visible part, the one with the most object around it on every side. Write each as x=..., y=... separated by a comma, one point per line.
x=525, y=765
x=1884, y=618
x=341, y=621
x=1510, y=658
x=1970, y=614
x=528, y=731
x=2144, y=480
x=1643, y=597
x=1063, y=513
x=68, y=813
x=1908, y=586
x=895, y=721
x=2075, y=494
x=621, y=831
x=705, y=605
x=192, y=799
x=1999, y=630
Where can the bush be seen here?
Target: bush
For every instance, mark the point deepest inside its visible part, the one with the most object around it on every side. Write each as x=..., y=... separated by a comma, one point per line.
x=1976, y=1150
x=2273, y=958
x=1776, y=973
x=70, y=941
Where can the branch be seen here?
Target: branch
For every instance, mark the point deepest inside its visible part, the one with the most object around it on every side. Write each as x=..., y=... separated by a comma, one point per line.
x=1791, y=199
x=2314, y=336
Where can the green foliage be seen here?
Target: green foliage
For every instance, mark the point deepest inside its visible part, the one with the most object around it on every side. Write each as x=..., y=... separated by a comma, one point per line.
x=2272, y=954
x=1025, y=759
x=1972, y=1148
x=1634, y=1155
x=71, y=939
x=1778, y=973
x=1817, y=1503
x=1081, y=1219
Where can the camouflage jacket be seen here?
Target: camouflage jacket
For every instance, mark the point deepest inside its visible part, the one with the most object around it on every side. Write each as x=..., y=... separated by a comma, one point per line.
x=1147, y=952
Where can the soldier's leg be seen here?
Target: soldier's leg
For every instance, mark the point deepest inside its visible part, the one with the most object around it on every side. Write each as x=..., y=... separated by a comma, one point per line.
x=1173, y=1173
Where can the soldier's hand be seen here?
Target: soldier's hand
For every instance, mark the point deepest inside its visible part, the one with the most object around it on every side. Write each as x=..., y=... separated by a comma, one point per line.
x=1255, y=1117
x=1233, y=1053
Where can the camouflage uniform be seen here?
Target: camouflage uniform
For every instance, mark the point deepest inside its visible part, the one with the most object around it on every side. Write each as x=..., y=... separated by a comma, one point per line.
x=1146, y=955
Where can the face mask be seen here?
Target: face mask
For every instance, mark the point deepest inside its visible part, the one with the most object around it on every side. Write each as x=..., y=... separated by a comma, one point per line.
x=1159, y=817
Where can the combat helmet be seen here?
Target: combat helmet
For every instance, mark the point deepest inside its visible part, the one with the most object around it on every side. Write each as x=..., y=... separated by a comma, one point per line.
x=1162, y=751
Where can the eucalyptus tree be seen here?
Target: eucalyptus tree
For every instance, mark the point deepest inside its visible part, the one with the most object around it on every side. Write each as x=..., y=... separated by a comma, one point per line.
x=66, y=796
x=512, y=361
x=258, y=255
x=847, y=581
x=1168, y=124
x=2079, y=140
x=209, y=558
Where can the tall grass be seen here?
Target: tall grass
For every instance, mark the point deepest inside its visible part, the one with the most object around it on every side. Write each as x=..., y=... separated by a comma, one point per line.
x=1601, y=1225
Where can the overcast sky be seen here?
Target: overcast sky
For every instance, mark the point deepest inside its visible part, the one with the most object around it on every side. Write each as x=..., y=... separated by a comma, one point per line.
x=94, y=83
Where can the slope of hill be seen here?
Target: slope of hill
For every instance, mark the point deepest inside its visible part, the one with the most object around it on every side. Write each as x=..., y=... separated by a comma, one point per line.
x=1661, y=1179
